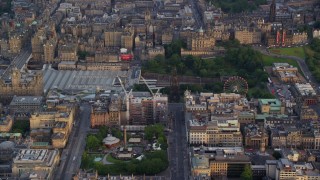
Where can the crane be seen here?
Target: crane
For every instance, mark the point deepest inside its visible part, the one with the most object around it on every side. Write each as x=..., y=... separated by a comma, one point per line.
x=161, y=112
x=126, y=99
x=151, y=88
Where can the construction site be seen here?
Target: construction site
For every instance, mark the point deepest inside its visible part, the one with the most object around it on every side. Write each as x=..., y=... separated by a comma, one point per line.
x=119, y=108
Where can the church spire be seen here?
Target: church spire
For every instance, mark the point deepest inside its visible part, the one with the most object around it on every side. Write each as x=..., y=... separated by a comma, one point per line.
x=272, y=15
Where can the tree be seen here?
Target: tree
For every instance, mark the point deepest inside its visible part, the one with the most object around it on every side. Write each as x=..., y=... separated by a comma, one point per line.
x=247, y=173
x=117, y=133
x=131, y=168
x=276, y=155
x=315, y=44
x=86, y=162
x=83, y=54
x=103, y=131
x=21, y=127
x=93, y=142
x=237, y=6
x=154, y=131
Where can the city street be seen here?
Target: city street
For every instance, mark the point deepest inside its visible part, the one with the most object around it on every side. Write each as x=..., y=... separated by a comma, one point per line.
x=196, y=13
x=71, y=155
x=178, y=148
x=19, y=61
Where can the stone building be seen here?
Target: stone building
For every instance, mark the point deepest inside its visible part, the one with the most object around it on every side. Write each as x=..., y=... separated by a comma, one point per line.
x=49, y=51
x=40, y=46
x=253, y=136
x=167, y=36
x=200, y=41
x=153, y=52
x=200, y=166
x=248, y=36
x=68, y=52
x=15, y=43
x=119, y=37
x=6, y=123
x=221, y=132
x=228, y=162
x=271, y=106
x=106, y=113
x=304, y=94
x=285, y=72
x=35, y=161
x=308, y=114
x=4, y=46
x=316, y=33
x=286, y=136
x=21, y=84
x=127, y=38
x=55, y=124
x=284, y=37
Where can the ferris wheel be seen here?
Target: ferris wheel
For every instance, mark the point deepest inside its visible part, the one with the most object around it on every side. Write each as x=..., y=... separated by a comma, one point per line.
x=236, y=84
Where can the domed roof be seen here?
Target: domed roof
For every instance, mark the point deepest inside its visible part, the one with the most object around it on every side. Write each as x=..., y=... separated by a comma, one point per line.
x=7, y=145
x=201, y=30
x=109, y=140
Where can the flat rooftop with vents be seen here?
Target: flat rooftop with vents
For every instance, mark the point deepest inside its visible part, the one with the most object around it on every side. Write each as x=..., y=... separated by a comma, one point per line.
x=305, y=89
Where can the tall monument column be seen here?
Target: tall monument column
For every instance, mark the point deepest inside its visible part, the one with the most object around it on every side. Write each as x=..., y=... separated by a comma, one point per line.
x=125, y=136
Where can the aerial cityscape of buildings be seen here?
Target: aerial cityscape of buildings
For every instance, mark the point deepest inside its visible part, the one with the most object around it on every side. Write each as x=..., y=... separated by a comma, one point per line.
x=78, y=99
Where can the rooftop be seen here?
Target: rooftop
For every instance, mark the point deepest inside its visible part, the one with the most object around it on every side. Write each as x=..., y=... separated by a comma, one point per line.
x=285, y=164
x=271, y=102
x=86, y=80
x=26, y=100
x=200, y=161
x=31, y=155
x=305, y=89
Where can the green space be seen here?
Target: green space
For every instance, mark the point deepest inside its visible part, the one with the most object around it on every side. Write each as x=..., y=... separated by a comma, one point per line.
x=239, y=60
x=247, y=173
x=21, y=126
x=82, y=54
x=237, y=6
x=269, y=60
x=152, y=163
x=313, y=58
x=111, y=159
x=292, y=51
x=94, y=141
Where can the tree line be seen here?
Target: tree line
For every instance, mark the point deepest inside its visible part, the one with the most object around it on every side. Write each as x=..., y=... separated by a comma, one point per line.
x=152, y=164
x=237, y=6
x=238, y=60
x=313, y=58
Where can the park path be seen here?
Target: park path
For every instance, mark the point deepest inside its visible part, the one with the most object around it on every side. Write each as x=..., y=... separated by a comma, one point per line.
x=301, y=62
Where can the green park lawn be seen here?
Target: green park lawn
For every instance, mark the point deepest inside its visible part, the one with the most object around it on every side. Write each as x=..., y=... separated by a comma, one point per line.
x=268, y=60
x=292, y=51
